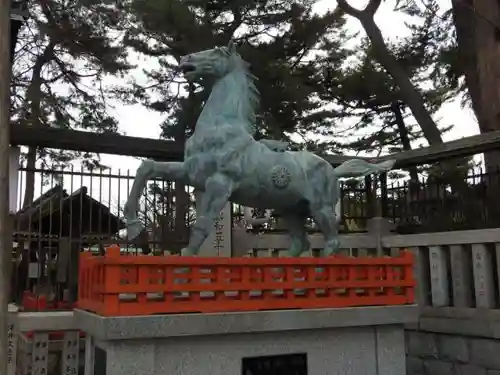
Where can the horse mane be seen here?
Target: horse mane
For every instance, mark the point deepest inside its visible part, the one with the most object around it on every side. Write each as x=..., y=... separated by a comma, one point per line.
x=253, y=93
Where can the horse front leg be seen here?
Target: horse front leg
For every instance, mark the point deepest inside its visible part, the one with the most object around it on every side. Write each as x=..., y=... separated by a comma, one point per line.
x=148, y=169
x=213, y=199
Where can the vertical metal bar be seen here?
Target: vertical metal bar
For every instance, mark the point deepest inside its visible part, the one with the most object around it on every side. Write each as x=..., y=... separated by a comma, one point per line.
x=90, y=191
x=60, y=285
x=109, y=232
x=47, y=279
x=80, y=214
x=5, y=217
x=128, y=195
x=119, y=212
x=39, y=262
x=22, y=271
x=100, y=211
x=423, y=203
x=68, y=287
x=400, y=203
x=370, y=201
x=383, y=195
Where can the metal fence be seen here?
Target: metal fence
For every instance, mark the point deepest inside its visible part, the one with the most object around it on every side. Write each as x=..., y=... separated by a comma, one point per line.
x=87, y=206
x=440, y=205
x=74, y=209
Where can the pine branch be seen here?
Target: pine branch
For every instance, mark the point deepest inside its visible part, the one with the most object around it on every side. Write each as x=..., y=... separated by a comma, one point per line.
x=369, y=10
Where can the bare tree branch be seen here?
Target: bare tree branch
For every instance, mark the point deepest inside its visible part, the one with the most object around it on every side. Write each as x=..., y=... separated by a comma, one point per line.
x=344, y=5
x=369, y=10
x=372, y=7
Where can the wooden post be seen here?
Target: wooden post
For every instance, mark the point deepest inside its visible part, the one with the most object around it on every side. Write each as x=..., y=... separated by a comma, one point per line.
x=5, y=220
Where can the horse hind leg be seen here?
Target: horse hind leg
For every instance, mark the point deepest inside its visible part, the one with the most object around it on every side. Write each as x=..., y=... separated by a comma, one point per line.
x=322, y=194
x=295, y=224
x=325, y=219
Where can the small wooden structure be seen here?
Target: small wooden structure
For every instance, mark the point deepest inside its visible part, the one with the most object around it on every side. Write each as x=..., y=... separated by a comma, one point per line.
x=50, y=234
x=67, y=215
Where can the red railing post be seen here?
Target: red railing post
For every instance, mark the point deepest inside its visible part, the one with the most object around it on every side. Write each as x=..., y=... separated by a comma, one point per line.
x=110, y=286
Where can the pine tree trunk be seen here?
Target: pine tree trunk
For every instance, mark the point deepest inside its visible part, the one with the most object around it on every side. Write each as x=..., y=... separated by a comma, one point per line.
x=477, y=24
x=33, y=98
x=413, y=98
x=405, y=139
x=29, y=190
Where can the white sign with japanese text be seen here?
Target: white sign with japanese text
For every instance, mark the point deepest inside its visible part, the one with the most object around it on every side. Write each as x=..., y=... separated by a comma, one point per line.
x=12, y=333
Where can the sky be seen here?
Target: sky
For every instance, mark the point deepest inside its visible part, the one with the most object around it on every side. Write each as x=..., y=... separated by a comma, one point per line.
x=137, y=121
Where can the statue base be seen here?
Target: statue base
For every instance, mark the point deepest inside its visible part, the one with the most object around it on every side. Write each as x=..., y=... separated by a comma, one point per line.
x=354, y=341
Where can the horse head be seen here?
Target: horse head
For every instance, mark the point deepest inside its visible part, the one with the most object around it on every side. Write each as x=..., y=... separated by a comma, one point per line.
x=227, y=76
x=210, y=65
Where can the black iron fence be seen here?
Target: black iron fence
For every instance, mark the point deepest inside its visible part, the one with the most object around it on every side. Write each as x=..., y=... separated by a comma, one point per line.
x=71, y=210
x=439, y=205
x=82, y=205
x=62, y=212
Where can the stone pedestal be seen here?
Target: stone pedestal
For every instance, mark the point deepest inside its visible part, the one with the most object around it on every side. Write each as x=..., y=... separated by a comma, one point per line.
x=346, y=341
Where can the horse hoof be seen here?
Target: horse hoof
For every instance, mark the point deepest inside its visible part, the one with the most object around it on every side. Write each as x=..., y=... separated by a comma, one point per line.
x=294, y=252
x=187, y=252
x=331, y=248
x=134, y=228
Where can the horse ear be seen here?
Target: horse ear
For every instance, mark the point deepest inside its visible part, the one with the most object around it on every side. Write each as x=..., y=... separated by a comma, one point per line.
x=231, y=47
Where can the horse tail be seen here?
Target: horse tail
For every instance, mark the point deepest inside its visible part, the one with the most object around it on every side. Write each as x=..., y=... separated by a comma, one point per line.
x=359, y=167
x=338, y=210
x=355, y=168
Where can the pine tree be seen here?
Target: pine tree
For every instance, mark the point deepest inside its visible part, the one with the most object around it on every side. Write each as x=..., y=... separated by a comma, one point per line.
x=64, y=51
x=277, y=39
x=366, y=91
x=468, y=39
x=382, y=52
x=380, y=119
x=476, y=25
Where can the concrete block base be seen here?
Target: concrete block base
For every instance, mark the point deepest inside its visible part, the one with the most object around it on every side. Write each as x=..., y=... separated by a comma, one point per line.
x=353, y=341
x=430, y=353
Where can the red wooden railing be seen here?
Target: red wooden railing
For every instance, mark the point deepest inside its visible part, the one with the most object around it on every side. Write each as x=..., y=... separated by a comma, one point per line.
x=117, y=285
